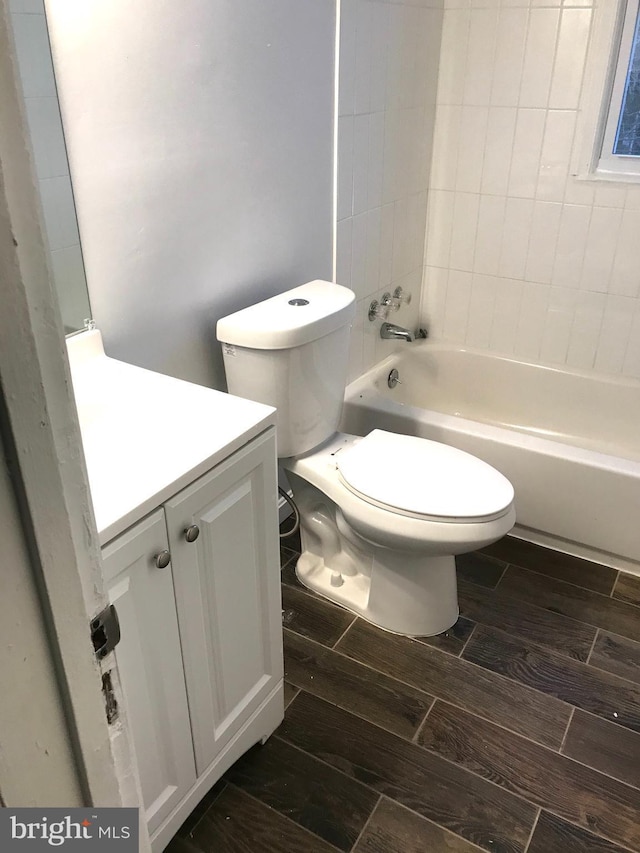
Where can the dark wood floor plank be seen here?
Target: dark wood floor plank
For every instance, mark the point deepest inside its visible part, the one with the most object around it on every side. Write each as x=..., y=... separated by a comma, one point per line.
x=566, y=636
x=617, y=655
x=309, y=792
x=576, y=793
x=453, y=640
x=627, y=588
x=554, y=835
x=395, y=829
x=605, y=746
x=582, y=604
x=313, y=617
x=209, y=798
x=553, y=564
x=290, y=693
x=577, y=683
x=353, y=686
x=438, y=790
x=453, y=679
x=237, y=823
x=480, y=569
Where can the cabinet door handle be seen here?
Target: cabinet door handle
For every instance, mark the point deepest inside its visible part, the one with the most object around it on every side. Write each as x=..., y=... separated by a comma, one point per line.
x=162, y=559
x=191, y=533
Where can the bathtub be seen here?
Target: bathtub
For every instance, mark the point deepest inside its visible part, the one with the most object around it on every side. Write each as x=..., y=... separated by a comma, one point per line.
x=568, y=440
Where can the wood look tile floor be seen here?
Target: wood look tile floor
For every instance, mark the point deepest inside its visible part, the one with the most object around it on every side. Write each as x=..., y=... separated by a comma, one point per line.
x=517, y=731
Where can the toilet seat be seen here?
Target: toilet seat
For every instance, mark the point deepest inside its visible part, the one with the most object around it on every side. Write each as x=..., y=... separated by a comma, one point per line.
x=423, y=479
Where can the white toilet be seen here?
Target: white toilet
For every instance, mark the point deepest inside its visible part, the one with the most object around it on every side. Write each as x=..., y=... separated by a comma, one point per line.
x=381, y=516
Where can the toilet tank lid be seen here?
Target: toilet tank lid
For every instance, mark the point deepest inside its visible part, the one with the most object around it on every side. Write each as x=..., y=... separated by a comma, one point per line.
x=296, y=317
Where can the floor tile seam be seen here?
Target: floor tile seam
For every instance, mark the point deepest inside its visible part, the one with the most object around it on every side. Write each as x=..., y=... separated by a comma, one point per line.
x=566, y=731
x=416, y=734
x=346, y=630
x=205, y=812
x=354, y=846
x=593, y=645
x=458, y=767
x=293, y=698
x=362, y=663
x=605, y=596
x=466, y=642
x=402, y=806
x=560, y=657
x=511, y=564
x=622, y=845
x=549, y=749
x=286, y=817
x=615, y=583
x=533, y=829
x=508, y=595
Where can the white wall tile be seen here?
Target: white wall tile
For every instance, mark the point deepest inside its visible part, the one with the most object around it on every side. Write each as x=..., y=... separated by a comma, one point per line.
x=561, y=311
x=27, y=7
x=491, y=216
x=434, y=294
x=363, y=58
x=68, y=273
x=372, y=262
x=572, y=242
x=343, y=252
x=376, y=160
x=345, y=166
x=515, y=238
x=545, y=227
x=525, y=160
x=359, y=283
x=47, y=139
x=347, y=89
x=509, y=57
x=481, y=310
x=356, y=360
x=445, y=148
x=570, y=58
x=631, y=366
x=34, y=55
x=379, y=56
x=456, y=313
x=601, y=248
x=439, y=223
x=473, y=128
x=504, y=328
x=386, y=244
x=463, y=236
x=585, y=333
x=625, y=275
x=538, y=58
x=480, y=50
x=532, y=320
x=556, y=155
x=498, y=148
x=614, y=333
x=360, y=164
x=451, y=78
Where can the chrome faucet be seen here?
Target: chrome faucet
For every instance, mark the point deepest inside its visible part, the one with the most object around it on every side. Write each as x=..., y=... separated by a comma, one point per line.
x=391, y=332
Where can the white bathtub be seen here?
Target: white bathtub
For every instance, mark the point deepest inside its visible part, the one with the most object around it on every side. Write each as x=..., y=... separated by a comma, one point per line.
x=568, y=440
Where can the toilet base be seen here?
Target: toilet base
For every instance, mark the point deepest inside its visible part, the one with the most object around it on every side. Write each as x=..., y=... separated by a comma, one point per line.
x=402, y=592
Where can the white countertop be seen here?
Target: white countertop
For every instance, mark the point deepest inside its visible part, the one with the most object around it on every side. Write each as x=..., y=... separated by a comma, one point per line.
x=146, y=435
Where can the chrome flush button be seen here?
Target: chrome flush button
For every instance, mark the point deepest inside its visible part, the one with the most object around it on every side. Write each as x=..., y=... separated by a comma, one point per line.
x=298, y=302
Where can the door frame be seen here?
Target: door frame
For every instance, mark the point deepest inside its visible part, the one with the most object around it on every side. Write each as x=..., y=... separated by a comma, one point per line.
x=43, y=448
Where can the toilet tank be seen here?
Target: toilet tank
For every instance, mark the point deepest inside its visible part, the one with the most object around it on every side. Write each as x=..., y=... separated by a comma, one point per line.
x=292, y=352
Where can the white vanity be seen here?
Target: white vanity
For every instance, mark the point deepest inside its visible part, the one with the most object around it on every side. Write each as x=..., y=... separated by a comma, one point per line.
x=183, y=481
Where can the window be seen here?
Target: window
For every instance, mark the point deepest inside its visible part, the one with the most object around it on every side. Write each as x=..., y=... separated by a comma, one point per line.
x=620, y=152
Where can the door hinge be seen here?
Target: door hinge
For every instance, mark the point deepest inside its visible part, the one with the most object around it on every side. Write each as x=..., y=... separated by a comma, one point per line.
x=105, y=631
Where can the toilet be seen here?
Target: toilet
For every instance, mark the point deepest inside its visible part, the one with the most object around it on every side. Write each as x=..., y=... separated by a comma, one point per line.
x=382, y=516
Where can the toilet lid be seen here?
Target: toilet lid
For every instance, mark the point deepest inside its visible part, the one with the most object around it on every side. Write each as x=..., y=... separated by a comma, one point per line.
x=422, y=477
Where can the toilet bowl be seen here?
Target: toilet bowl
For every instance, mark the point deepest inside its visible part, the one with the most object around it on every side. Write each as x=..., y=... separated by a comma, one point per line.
x=382, y=516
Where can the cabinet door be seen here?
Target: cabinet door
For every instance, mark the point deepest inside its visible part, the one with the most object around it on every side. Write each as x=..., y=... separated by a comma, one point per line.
x=150, y=665
x=228, y=593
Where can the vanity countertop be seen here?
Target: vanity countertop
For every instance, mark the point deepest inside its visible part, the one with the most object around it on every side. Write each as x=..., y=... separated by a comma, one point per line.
x=146, y=435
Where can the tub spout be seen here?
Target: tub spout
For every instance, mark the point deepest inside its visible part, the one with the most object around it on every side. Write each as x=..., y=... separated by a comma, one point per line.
x=391, y=332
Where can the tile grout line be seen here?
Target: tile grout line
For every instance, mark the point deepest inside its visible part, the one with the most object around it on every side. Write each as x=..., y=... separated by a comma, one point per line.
x=615, y=584
x=346, y=631
x=503, y=573
x=566, y=732
x=466, y=642
x=367, y=822
x=415, y=738
x=533, y=829
x=593, y=645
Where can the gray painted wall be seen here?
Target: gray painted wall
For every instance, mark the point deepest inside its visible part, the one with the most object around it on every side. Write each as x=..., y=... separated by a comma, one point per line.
x=200, y=139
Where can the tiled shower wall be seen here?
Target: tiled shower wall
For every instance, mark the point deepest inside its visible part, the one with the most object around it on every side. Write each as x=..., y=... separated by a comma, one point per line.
x=387, y=93
x=521, y=257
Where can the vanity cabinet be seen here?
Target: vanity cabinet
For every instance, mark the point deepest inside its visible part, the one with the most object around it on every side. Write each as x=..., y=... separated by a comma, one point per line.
x=196, y=586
